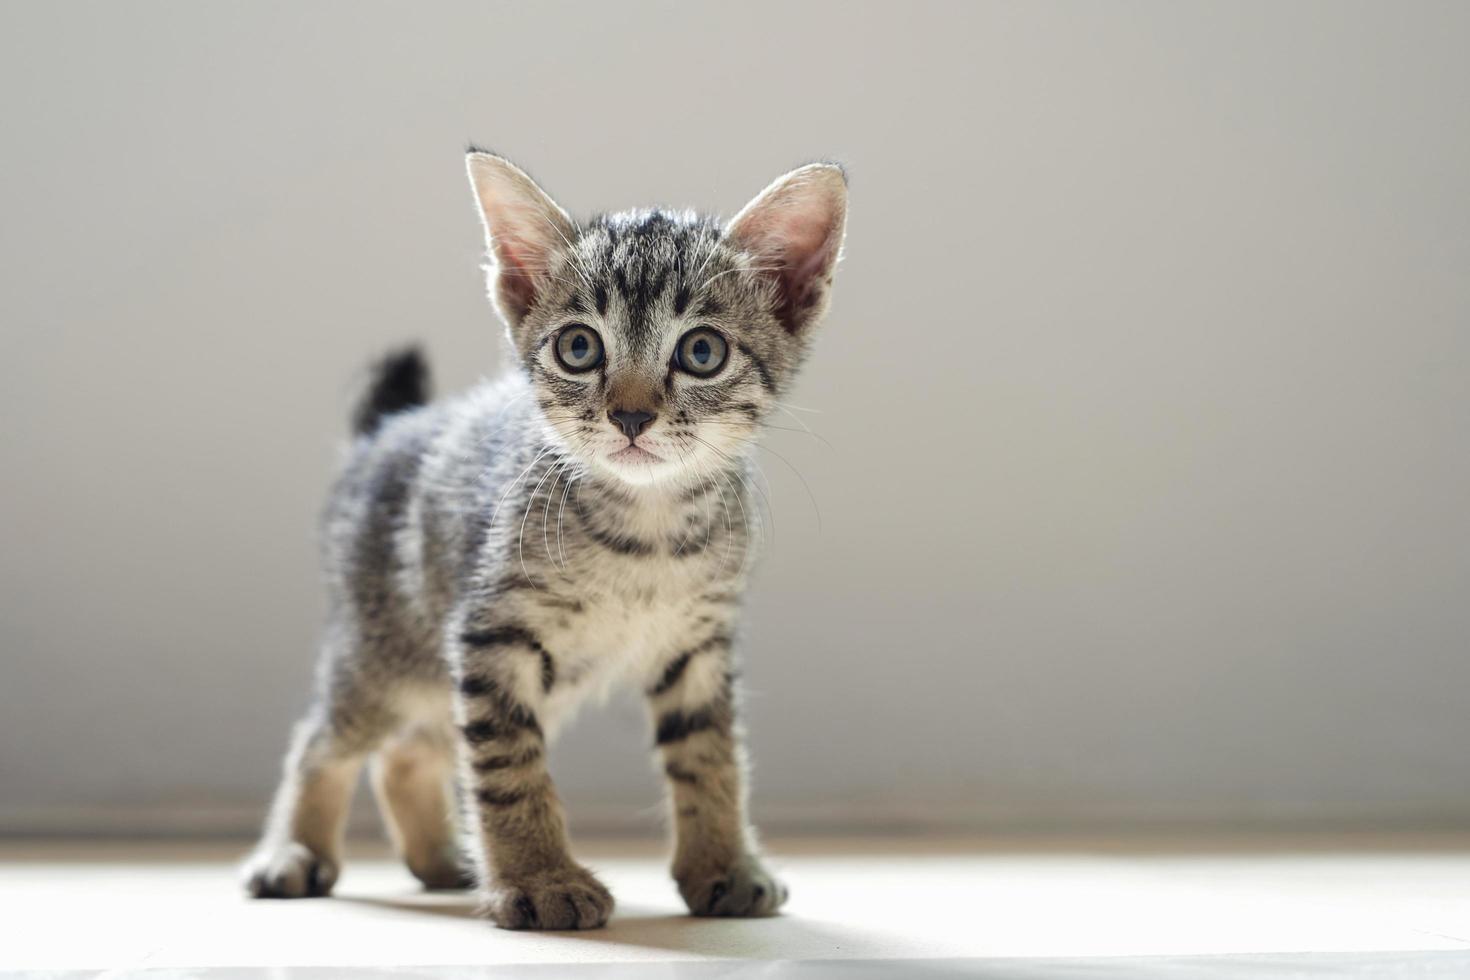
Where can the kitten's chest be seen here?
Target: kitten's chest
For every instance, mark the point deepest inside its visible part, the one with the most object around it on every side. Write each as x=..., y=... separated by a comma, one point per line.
x=631, y=635
x=632, y=610
x=609, y=638
x=623, y=584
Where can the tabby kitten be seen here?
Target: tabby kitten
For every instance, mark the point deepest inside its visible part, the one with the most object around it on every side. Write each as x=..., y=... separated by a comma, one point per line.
x=494, y=557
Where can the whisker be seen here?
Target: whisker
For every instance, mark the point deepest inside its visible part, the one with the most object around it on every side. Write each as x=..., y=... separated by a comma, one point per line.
x=521, y=538
x=546, y=513
x=807, y=486
x=561, y=512
x=756, y=269
x=769, y=425
x=735, y=467
x=501, y=503
x=808, y=429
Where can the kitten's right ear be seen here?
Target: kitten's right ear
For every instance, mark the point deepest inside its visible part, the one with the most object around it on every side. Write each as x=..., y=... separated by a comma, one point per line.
x=524, y=231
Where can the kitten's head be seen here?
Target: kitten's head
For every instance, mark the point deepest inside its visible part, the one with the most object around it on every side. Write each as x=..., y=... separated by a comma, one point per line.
x=657, y=341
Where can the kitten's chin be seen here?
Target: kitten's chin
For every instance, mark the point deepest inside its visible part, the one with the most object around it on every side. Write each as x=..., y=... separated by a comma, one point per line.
x=637, y=466
x=631, y=455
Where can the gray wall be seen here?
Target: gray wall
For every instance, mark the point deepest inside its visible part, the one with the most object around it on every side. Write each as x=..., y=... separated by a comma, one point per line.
x=1146, y=386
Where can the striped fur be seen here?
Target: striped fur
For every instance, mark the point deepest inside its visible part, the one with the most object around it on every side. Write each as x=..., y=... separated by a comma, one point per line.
x=496, y=557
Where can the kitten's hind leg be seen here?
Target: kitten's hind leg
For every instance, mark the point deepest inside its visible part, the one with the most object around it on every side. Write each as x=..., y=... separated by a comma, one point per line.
x=413, y=777
x=299, y=854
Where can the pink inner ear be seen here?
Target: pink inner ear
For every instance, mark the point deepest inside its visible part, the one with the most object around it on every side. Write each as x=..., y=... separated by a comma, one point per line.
x=517, y=281
x=805, y=265
x=797, y=237
x=524, y=241
x=524, y=229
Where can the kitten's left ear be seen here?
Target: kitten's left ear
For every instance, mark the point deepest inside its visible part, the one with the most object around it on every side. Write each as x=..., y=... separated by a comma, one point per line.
x=794, y=229
x=524, y=230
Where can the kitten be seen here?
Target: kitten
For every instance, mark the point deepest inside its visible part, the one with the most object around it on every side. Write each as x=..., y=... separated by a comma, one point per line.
x=495, y=557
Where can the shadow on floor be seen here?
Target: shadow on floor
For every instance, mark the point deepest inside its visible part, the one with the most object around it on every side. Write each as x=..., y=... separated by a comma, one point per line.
x=784, y=936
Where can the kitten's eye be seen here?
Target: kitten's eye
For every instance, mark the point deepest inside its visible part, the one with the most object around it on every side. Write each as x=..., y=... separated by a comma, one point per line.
x=701, y=352
x=578, y=347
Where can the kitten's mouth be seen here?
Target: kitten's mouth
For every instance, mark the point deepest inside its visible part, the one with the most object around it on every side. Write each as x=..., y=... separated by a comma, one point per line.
x=635, y=454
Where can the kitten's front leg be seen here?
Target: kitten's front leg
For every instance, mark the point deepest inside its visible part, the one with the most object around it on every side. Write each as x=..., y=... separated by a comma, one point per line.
x=529, y=878
x=716, y=863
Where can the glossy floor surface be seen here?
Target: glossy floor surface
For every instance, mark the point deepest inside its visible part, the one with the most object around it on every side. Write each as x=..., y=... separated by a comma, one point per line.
x=1032, y=907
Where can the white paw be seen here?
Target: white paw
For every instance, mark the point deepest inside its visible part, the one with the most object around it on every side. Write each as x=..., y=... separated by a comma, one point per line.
x=289, y=871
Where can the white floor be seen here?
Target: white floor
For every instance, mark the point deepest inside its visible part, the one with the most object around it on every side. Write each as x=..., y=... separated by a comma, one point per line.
x=882, y=907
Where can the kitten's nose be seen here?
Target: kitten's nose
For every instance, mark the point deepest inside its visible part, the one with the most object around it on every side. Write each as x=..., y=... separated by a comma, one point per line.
x=631, y=423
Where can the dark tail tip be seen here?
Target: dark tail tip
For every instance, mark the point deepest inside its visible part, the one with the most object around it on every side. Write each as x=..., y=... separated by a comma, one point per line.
x=400, y=381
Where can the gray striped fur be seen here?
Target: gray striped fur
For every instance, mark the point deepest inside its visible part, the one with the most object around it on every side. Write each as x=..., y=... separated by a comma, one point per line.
x=490, y=563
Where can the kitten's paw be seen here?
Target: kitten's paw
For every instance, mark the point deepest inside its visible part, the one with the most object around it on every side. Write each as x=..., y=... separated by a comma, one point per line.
x=747, y=889
x=289, y=871
x=446, y=877
x=443, y=872
x=563, y=898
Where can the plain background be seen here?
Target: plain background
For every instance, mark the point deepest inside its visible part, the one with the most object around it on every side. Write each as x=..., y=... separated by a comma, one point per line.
x=1146, y=387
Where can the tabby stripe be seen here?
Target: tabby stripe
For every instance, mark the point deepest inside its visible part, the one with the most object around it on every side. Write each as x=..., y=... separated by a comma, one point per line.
x=679, y=774
x=760, y=366
x=508, y=636
x=564, y=387
x=697, y=491
x=511, y=717
x=483, y=688
x=519, y=583
x=677, y=726
x=504, y=636
x=497, y=762
x=618, y=543
x=476, y=687
x=674, y=672
x=491, y=797
x=477, y=732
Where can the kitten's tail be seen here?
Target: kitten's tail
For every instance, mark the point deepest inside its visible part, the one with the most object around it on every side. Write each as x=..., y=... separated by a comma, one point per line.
x=400, y=382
